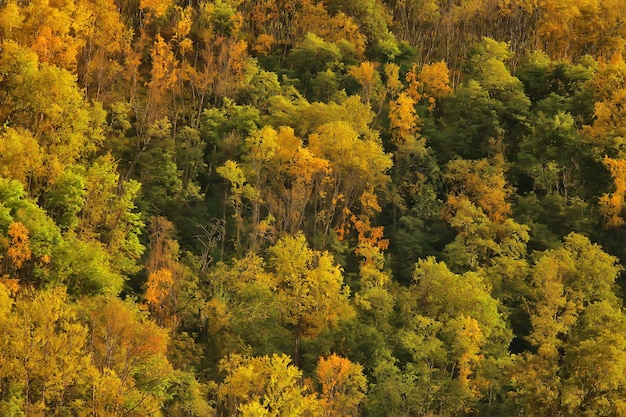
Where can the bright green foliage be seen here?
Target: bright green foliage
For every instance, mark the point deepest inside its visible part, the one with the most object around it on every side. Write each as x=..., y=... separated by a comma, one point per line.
x=298, y=294
x=487, y=66
x=86, y=268
x=66, y=198
x=44, y=236
x=480, y=241
x=188, y=397
x=109, y=217
x=243, y=311
x=445, y=294
x=239, y=189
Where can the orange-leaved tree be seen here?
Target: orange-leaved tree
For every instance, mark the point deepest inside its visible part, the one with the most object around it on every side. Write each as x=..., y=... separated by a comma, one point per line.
x=343, y=386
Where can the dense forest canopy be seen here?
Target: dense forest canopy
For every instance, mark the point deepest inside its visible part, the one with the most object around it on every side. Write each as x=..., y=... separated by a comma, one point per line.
x=312, y=208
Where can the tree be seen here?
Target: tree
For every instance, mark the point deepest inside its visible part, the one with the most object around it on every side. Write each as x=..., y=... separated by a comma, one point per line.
x=19, y=250
x=572, y=287
x=264, y=386
x=65, y=199
x=109, y=216
x=239, y=190
x=451, y=345
x=22, y=157
x=404, y=124
x=130, y=351
x=607, y=128
x=343, y=386
x=171, y=279
x=310, y=59
x=483, y=183
x=64, y=127
x=315, y=18
x=357, y=164
x=44, y=366
x=107, y=45
x=613, y=204
x=468, y=127
x=368, y=77
x=243, y=310
x=309, y=287
x=29, y=239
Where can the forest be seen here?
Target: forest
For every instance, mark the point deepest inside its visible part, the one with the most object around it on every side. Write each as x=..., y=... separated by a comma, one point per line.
x=317, y=208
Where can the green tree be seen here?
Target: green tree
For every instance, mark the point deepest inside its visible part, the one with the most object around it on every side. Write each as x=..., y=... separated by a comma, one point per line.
x=456, y=337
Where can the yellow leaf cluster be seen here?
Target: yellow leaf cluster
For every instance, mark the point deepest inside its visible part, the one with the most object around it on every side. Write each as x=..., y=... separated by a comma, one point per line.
x=19, y=250
x=612, y=204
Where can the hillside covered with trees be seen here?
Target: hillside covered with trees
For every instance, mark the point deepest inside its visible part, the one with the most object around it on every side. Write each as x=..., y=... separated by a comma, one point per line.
x=312, y=208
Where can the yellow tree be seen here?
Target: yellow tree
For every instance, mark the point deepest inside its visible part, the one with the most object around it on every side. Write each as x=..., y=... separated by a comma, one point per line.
x=316, y=184
x=357, y=163
x=262, y=147
x=163, y=84
x=405, y=126
x=612, y=205
x=314, y=18
x=369, y=78
x=107, y=45
x=343, y=386
x=223, y=54
x=11, y=19
x=165, y=273
x=435, y=82
x=63, y=125
x=284, y=173
x=457, y=337
x=21, y=157
x=608, y=129
x=309, y=287
x=483, y=183
x=55, y=31
x=239, y=189
x=576, y=28
x=158, y=289
x=44, y=367
x=299, y=171
x=129, y=351
x=265, y=386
